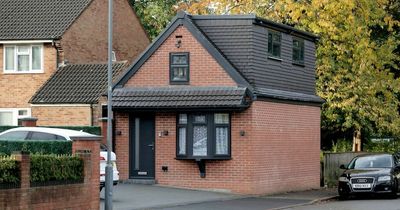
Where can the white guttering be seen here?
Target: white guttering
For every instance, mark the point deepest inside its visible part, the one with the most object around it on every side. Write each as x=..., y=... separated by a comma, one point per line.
x=24, y=41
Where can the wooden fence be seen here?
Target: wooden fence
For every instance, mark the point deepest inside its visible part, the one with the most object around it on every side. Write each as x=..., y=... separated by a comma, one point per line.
x=332, y=162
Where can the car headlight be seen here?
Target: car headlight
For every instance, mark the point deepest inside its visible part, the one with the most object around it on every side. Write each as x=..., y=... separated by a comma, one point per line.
x=343, y=179
x=384, y=178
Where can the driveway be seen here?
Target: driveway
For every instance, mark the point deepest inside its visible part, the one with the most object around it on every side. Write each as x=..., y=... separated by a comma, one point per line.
x=136, y=196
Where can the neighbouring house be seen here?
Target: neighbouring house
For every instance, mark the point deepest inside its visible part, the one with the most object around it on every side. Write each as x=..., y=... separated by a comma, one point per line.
x=221, y=102
x=38, y=37
x=73, y=95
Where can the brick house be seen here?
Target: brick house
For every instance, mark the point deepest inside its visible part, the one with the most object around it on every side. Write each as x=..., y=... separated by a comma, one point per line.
x=221, y=102
x=38, y=37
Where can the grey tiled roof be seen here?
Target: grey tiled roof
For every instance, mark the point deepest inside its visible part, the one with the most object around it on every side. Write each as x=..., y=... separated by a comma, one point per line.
x=180, y=97
x=76, y=83
x=38, y=19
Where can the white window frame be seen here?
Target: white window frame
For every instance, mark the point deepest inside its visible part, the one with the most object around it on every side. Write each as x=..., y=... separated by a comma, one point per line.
x=15, y=113
x=16, y=53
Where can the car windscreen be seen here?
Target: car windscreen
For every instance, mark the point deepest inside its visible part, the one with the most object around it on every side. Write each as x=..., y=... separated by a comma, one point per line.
x=14, y=135
x=379, y=161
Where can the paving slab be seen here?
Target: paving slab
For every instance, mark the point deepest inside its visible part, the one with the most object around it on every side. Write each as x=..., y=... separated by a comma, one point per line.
x=137, y=196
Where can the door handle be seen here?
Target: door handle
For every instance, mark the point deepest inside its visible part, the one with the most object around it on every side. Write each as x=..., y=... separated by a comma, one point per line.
x=151, y=145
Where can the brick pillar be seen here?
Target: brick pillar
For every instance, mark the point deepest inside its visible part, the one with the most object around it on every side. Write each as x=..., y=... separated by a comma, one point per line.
x=28, y=121
x=103, y=124
x=89, y=149
x=25, y=166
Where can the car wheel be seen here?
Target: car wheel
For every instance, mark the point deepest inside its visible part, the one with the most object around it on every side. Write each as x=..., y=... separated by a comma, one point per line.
x=393, y=194
x=343, y=196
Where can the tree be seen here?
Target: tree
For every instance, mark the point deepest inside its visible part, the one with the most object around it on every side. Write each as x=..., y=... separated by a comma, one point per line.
x=155, y=14
x=357, y=55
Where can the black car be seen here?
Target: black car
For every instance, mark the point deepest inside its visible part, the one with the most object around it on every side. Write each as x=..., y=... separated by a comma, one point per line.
x=378, y=173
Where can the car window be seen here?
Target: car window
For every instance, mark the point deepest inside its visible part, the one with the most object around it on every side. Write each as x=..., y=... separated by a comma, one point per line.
x=60, y=137
x=42, y=136
x=371, y=162
x=14, y=135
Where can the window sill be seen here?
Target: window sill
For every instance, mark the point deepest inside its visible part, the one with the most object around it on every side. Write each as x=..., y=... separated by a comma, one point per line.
x=179, y=83
x=204, y=158
x=298, y=64
x=274, y=58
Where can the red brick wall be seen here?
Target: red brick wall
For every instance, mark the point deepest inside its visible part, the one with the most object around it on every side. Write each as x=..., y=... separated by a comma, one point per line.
x=122, y=144
x=204, y=70
x=82, y=196
x=279, y=151
x=86, y=40
x=286, y=145
x=63, y=115
x=17, y=89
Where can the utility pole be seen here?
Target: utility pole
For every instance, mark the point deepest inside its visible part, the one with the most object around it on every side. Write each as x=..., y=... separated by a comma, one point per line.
x=109, y=167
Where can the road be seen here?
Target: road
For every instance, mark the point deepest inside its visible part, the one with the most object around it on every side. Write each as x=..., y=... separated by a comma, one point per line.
x=354, y=204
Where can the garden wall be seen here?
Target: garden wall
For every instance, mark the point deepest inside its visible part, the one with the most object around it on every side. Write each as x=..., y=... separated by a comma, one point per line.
x=77, y=196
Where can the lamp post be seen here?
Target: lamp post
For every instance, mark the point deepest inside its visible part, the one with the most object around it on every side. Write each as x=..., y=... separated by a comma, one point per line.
x=109, y=167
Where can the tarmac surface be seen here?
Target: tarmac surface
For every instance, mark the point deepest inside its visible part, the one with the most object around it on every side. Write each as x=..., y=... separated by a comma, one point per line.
x=137, y=196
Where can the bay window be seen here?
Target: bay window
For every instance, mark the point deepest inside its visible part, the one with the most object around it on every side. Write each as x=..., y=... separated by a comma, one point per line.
x=23, y=58
x=203, y=136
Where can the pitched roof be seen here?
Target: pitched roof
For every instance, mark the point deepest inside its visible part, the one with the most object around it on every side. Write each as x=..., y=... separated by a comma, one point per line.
x=38, y=19
x=76, y=84
x=223, y=43
x=180, y=98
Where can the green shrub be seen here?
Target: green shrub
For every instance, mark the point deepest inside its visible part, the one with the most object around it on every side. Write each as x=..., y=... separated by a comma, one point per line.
x=383, y=146
x=53, y=168
x=342, y=145
x=96, y=130
x=34, y=147
x=9, y=170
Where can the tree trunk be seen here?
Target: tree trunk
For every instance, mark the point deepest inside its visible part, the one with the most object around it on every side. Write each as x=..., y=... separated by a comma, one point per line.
x=357, y=140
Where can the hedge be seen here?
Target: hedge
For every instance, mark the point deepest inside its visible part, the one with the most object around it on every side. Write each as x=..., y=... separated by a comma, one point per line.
x=9, y=172
x=56, y=169
x=96, y=130
x=34, y=147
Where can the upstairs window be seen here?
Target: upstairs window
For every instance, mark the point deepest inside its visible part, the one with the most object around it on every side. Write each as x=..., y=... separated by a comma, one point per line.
x=23, y=58
x=274, y=44
x=298, y=51
x=203, y=136
x=179, y=68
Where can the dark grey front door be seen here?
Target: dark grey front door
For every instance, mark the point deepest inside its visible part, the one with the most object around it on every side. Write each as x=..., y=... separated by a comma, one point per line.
x=142, y=146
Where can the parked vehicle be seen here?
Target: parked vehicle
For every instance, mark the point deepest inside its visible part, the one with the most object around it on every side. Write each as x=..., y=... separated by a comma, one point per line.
x=377, y=173
x=57, y=134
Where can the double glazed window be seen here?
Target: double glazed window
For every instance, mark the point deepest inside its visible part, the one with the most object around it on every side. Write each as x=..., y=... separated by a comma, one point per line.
x=274, y=44
x=11, y=116
x=23, y=58
x=203, y=135
x=298, y=51
x=179, y=68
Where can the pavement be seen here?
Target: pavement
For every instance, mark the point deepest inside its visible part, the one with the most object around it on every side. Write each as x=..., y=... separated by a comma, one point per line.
x=136, y=196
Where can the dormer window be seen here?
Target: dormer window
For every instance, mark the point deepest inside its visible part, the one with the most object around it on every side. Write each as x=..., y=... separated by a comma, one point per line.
x=23, y=59
x=179, y=68
x=298, y=51
x=274, y=44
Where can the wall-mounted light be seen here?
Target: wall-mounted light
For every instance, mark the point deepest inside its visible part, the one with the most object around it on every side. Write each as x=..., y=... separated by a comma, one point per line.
x=119, y=133
x=178, y=41
x=165, y=133
x=242, y=133
x=164, y=168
